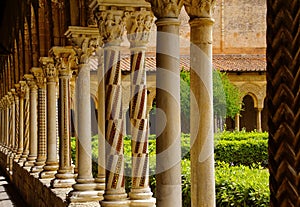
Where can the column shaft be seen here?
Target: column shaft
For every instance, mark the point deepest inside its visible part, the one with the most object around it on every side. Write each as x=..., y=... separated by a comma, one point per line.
x=202, y=136
x=26, y=126
x=33, y=123
x=17, y=123
x=84, y=189
x=258, y=120
x=237, y=122
x=168, y=142
x=42, y=130
x=64, y=177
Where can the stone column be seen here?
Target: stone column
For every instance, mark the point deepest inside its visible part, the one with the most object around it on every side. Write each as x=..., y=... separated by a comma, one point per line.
x=21, y=90
x=12, y=127
x=51, y=164
x=258, y=120
x=138, y=31
x=168, y=142
x=2, y=124
x=202, y=135
x=111, y=28
x=17, y=122
x=237, y=122
x=85, y=46
x=7, y=106
x=42, y=122
x=100, y=179
x=26, y=125
x=33, y=122
x=63, y=60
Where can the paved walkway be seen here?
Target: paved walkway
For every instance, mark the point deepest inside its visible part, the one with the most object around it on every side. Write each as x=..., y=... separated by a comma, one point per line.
x=8, y=195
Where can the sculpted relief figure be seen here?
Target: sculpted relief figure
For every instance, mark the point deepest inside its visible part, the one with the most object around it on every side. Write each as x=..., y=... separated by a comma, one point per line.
x=111, y=25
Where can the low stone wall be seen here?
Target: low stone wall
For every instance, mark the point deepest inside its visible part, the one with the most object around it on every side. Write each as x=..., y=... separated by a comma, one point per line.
x=37, y=192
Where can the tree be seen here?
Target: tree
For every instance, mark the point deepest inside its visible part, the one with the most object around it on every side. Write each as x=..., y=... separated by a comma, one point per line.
x=227, y=98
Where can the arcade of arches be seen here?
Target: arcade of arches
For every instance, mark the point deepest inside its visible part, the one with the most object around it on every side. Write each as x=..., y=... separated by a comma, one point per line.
x=57, y=54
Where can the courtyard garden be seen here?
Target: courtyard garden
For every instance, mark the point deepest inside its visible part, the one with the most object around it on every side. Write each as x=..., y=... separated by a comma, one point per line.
x=241, y=174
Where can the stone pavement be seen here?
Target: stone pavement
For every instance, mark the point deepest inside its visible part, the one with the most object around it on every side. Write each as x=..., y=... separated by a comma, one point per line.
x=8, y=194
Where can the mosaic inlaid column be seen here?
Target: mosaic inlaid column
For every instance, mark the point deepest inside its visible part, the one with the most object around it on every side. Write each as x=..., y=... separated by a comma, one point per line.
x=111, y=28
x=138, y=31
x=168, y=142
x=32, y=122
x=42, y=122
x=63, y=60
x=26, y=126
x=85, y=46
x=21, y=90
x=202, y=134
x=51, y=165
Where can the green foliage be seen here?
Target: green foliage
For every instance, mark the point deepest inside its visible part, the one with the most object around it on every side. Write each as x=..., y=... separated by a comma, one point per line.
x=242, y=152
x=241, y=186
x=227, y=99
x=240, y=135
x=235, y=185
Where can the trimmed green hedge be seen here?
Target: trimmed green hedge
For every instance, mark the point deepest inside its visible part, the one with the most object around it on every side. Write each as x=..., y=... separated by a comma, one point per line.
x=240, y=135
x=242, y=152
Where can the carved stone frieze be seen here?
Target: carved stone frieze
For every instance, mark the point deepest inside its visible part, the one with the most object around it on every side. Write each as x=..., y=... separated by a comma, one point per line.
x=48, y=68
x=39, y=76
x=111, y=25
x=166, y=8
x=139, y=25
x=199, y=8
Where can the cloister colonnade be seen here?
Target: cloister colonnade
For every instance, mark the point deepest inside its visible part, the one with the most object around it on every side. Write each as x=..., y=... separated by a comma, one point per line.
x=46, y=45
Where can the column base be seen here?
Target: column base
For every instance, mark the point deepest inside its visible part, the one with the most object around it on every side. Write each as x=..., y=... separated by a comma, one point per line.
x=63, y=180
x=83, y=196
x=49, y=170
x=100, y=183
x=143, y=203
x=37, y=168
x=125, y=203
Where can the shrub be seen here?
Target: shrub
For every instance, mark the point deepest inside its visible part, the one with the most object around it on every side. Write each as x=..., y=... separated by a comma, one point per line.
x=241, y=186
x=240, y=135
x=243, y=152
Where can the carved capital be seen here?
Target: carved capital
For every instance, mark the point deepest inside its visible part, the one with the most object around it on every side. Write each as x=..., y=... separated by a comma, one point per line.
x=21, y=89
x=85, y=41
x=9, y=98
x=6, y=101
x=30, y=81
x=166, y=8
x=12, y=95
x=138, y=27
x=48, y=68
x=64, y=60
x=199, y=8
x=39, y=76
x=111, y=25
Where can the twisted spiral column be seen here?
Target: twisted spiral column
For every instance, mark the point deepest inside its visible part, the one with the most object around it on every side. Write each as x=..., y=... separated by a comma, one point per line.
x=283, y=63
x=26, y=126
x=138, y=32
x=12, y=129
x=33, y=123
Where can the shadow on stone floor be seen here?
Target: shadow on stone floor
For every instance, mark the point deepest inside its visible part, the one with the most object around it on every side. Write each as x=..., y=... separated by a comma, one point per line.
x=9, y=196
